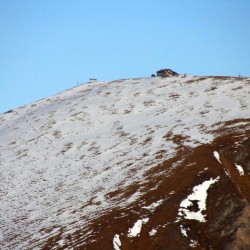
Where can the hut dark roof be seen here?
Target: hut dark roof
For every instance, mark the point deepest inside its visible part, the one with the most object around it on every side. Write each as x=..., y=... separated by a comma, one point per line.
x=166, y=72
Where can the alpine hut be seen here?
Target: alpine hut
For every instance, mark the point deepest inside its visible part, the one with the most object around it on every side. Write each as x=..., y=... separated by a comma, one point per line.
x=166, y=73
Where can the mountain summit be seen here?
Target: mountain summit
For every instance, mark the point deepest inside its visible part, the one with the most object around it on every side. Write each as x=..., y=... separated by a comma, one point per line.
x=147, y=163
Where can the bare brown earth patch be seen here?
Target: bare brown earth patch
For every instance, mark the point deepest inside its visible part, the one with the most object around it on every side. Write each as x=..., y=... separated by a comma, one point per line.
x=227, y=212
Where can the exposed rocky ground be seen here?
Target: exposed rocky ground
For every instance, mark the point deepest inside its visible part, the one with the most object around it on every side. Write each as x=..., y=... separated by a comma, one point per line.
x=146, y=163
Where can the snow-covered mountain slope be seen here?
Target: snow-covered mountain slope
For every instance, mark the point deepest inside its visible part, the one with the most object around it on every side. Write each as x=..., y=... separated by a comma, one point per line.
x=127, y=164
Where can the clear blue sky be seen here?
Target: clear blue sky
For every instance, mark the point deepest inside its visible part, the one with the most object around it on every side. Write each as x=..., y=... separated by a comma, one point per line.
x=47, y=46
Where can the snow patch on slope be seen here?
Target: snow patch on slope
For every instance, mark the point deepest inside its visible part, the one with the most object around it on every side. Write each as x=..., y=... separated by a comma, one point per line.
x=217, y=156
x=198, y=196
x=136, y=229
x=117, y=242
x=240, y=169
x=183, y=231
x=153, y=206
x=152, y=232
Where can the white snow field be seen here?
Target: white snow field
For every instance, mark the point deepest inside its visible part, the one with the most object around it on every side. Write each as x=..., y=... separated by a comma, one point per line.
x=61, y=156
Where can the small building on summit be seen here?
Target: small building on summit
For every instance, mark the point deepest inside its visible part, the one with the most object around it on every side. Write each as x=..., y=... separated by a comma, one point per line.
x=166, y=73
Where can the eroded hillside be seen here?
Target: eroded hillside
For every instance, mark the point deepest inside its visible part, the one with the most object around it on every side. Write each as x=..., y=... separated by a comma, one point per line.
x=149, y=163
